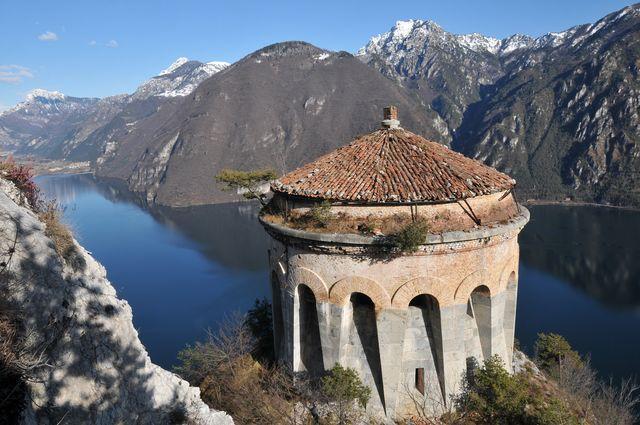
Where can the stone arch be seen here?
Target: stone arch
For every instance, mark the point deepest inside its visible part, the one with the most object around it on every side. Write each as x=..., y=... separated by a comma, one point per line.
x=342, y=289
x=418, y=286
x=308, y=341
x=478, y=323
x=470, y=283
x=422, y=353
x=511, y=267
x=301, y=275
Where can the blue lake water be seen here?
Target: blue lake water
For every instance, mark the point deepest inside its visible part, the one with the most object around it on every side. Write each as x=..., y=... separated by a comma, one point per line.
x=183, y=270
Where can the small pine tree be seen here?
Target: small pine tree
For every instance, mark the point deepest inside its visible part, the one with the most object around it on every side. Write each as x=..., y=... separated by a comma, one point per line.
x=553, y=350
x=344, y=386
x=411, y=236
x=320, y=214
x=247, y=182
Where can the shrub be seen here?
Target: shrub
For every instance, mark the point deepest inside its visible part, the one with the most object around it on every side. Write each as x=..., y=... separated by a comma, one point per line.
x=553, y=350
x=320, y=214
x=411, y=236
x=231, y=380
x=344, y=387
x=492, y=396
x=603, y=401
x=22, y=177
x=259, y=322
x=12, y=368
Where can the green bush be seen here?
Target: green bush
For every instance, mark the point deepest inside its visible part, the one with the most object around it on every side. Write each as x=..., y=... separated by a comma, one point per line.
x=320, y=214
x=411, y=236
x=343, y=385
x=553, y=350
x=246, y=182
x=259, y=321
x=492, y=396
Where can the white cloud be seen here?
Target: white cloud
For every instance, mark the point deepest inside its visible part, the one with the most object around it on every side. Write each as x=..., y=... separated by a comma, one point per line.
x=48, y=36
x=14, y=74
x=112, y=43
x=92, y=43
x=3, y=107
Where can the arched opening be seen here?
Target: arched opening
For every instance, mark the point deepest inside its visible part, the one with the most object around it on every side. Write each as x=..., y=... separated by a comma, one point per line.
x=363, y=352
x=478, y=324
x=422, y=352
x=309, y=331
x=509, y=318
x=278, y=323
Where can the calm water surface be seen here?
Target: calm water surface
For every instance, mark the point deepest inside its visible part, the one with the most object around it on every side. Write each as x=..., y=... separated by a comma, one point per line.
x=183, y=270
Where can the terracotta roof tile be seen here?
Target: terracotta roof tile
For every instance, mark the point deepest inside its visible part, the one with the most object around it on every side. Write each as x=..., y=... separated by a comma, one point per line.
x=393, y=165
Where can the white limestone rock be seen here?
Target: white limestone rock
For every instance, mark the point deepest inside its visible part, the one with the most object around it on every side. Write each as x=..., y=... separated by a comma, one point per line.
x=97, y=370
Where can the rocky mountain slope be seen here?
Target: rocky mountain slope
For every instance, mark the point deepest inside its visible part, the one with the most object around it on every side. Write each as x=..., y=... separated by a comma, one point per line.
x=48, y=124
x=74, y=338
x=559, y=113
x=564, y=120
x=278, y=107
x=53, y=125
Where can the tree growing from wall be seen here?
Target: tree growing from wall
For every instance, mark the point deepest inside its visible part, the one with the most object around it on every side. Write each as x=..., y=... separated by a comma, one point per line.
x=246, y=183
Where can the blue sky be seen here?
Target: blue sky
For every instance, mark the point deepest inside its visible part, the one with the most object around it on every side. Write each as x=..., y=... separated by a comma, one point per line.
x=90, y=48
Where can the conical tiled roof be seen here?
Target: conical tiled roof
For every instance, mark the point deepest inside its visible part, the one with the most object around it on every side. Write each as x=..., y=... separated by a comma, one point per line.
x=393, y=165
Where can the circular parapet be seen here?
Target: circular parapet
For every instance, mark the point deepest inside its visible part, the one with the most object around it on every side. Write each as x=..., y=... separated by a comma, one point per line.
x=482, y=232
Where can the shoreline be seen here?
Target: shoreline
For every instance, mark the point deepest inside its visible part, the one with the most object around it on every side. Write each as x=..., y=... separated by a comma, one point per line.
x=530, y=202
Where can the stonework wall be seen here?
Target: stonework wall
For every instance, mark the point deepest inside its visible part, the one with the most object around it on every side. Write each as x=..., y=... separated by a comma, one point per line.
x=501, y=205
x=438, y=310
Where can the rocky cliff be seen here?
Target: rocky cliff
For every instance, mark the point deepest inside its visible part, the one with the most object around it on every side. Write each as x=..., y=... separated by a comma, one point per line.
x=558, y=112
x=80, y=357
x=279, y=107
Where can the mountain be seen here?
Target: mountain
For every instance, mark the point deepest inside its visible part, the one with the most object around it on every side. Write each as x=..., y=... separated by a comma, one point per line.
x=179, y=79
x=52, y=125
x=278, y=107
x=47, y=122
x=446, y=70
x=564, y=119
x=558, y=112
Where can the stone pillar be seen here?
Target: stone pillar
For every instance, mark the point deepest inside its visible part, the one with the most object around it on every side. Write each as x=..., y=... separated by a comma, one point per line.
x=391, y=328
x=510, y=304
x=327, y=334
x=498, y=342
x=453, y=351
x=289, y=325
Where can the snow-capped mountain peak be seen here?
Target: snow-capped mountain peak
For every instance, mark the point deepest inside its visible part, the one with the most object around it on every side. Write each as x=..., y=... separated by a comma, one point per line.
x=35, y=94
x=478, y=42
x=175, y=65
x=215, y=66
x=180, y=79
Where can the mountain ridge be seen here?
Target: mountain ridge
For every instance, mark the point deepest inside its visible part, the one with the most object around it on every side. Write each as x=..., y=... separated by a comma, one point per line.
x=524, y=105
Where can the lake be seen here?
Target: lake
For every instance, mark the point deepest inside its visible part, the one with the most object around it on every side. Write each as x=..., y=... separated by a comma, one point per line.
x=184, y=270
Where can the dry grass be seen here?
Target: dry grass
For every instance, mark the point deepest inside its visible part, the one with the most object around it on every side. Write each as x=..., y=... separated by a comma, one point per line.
x=343, y=223
x=60, y=235
x=372, y=225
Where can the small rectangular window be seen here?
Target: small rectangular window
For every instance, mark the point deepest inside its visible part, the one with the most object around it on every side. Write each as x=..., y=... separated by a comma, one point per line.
x=420, y=380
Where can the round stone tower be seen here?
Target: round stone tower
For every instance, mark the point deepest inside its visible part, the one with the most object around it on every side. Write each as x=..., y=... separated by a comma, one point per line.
x=411, y=321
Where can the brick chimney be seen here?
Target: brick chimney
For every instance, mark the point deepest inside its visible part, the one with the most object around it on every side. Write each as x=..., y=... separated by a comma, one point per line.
x=390, y=117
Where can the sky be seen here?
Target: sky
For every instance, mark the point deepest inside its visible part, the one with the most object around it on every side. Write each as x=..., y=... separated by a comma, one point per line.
x=96, y=49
